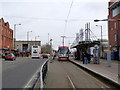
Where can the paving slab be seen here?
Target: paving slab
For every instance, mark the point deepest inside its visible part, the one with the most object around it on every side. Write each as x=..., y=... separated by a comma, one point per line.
x=102, y=69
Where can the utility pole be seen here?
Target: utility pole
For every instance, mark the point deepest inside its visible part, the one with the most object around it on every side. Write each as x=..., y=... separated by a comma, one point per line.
x=28, y=38
x=15, y=33
x=51, y=45
x=48, y=37
x=28, y=35
x=36, y=38
x=63, y=39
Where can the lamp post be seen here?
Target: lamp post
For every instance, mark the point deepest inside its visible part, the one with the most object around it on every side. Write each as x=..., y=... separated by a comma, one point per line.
x=63, y=40
x=117, y=36
x=97, y=20
x=35, y=39
x=101, y=40
x=15, y=33
x=28, y=38
x=48, y=37
x=51, y=45
x=28, y=35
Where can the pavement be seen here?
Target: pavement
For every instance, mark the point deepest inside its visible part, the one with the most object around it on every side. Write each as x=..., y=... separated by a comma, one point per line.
x=102, y=69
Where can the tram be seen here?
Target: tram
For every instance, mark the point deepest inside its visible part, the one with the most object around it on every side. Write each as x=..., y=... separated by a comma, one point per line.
x=63, y=53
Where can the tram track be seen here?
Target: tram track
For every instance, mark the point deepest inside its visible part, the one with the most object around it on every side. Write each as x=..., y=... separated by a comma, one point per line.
x=72, y=84
x=101, y=84
x=75, y=76
x=68, y=67
x=69, y=78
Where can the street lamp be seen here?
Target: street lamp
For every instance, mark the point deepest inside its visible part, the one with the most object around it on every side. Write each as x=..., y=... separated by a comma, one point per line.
x=101, y=39
x=97, y=20
x=15, y=33
x=35, y=39
x=48, y=37
x=117, y=37
x=51, y=45
x=28, y=38
x=101, y=30
x=28, y=35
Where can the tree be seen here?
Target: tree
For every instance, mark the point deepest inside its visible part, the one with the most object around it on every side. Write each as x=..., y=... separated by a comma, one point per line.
x=46, y=48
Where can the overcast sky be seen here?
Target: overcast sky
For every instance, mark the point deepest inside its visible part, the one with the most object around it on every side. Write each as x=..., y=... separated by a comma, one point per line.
x=48, y=16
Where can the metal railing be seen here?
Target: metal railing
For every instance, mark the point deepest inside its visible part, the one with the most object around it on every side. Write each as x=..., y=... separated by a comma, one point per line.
x=43, y=72
x=37, y=80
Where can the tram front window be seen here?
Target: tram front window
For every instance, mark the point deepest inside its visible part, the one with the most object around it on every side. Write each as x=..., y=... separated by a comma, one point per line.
x=63, y=51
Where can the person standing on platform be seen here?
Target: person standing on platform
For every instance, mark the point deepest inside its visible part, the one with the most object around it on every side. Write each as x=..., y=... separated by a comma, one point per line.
x=96, y=55
x=85, y=58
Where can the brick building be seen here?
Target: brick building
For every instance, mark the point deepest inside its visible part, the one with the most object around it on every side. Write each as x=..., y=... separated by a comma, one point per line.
x=114, y=27
x=0, y=34
x=6, y=35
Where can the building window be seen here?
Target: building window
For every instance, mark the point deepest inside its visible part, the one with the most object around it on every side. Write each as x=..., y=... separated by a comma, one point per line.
x=115, y=37
x=115, y=25
x=116, y=11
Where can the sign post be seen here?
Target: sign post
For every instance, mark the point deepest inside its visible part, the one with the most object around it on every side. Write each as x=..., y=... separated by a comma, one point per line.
x=109, y=57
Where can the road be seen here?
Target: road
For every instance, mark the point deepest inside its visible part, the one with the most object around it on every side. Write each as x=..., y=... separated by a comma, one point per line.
x=16, y=74
x=67, y=75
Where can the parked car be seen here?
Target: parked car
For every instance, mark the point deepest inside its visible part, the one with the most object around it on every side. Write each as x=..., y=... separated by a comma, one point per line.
x=10, y=56
x=3, y=55
x=45, y=56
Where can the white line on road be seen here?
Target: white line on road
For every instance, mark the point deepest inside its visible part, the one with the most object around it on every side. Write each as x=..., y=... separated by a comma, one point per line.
x=40, y=71
x=27, y=86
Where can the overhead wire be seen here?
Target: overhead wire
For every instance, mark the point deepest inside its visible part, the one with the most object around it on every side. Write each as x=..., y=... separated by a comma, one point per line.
x=66, y=21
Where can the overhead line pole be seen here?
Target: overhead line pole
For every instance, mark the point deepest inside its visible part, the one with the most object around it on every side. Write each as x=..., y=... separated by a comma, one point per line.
x=63, y=39
x=66, y=22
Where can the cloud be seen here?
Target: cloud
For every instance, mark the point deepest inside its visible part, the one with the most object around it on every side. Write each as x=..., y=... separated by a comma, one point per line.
x=54, y=1
x=49, y=17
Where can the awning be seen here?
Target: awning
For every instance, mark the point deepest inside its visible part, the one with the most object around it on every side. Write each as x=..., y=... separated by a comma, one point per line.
x=86, y=44
x=5, y=48
x=16, y=50
x=24, y=50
